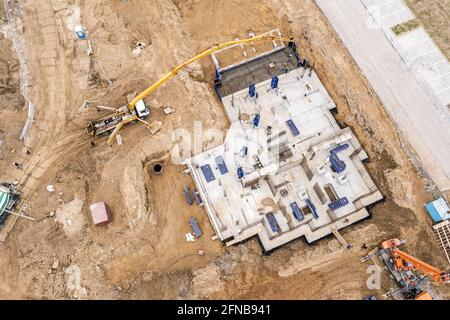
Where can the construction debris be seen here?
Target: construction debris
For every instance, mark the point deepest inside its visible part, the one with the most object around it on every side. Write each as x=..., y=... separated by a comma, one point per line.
x=87, y=104
x=138, y=48
x=17, y=165
x=119, y=139
x=89, y=48
x=341, y=239
x=79, y=31
x=189, y=237
x=168, y=110
x=155, y=126
x=55, y=264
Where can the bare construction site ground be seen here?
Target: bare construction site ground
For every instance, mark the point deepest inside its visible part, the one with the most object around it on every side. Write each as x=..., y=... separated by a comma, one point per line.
x=143, y=253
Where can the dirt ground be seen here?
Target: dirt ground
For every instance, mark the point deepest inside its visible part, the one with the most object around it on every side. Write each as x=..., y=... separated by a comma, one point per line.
x=142, y=253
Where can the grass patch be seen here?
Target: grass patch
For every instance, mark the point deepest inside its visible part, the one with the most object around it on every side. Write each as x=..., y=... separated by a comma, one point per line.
x=434, y=16
x=406, y=26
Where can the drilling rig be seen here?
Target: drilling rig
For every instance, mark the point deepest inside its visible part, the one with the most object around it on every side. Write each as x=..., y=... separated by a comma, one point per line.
x=410, y=273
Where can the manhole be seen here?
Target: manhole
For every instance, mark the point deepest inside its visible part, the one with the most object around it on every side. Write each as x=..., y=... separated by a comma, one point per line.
x=157, y=168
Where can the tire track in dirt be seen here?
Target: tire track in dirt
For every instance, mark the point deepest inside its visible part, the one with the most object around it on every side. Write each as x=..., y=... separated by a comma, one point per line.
x=51, y=95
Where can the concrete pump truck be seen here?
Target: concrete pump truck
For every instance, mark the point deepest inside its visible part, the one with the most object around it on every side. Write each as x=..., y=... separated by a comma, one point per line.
x=137, y=110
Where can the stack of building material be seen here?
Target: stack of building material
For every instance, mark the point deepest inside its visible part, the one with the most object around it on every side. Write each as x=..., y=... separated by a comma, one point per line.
x=99, y=213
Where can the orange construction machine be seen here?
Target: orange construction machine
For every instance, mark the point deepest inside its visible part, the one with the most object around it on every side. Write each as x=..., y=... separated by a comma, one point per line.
x=410, y=273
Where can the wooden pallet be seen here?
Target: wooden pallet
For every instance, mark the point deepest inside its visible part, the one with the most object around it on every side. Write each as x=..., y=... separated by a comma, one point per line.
x=442, y=233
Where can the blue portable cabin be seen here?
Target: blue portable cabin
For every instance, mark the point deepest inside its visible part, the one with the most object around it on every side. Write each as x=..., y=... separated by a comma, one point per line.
x=438, y=210
x=197, y=198
x=298, y=213
x=312, y=208
x=187, y=195
x=273, y=222
x=195, y=227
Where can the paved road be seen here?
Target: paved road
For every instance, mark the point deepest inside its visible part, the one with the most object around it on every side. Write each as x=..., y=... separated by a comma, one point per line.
x=415, y=114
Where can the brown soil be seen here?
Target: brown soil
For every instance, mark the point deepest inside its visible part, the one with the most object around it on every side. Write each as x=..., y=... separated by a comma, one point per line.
x=142, y=253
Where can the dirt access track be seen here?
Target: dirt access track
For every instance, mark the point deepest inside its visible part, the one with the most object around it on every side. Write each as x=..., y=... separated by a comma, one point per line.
x=143, y=253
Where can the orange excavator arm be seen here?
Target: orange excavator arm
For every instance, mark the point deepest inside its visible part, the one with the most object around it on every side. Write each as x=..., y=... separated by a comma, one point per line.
x=406, y=261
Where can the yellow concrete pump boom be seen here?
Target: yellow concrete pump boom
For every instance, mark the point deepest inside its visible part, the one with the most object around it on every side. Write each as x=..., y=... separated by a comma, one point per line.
x=176, y=69
x=200, y=55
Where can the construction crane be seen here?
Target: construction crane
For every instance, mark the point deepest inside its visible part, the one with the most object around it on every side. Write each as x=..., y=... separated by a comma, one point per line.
x=137, y=110
x=409, y=272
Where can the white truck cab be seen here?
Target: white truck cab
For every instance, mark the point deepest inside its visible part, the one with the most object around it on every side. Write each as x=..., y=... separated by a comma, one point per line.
x=142, y=111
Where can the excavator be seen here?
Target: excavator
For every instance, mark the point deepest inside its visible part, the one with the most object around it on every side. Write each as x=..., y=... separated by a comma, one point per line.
x=410, y=273
x=137, y=110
